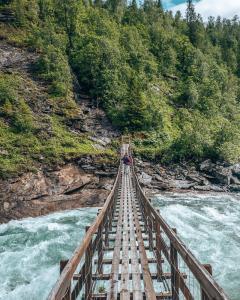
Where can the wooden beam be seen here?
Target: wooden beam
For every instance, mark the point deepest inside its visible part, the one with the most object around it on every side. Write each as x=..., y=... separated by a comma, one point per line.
x=159, y=296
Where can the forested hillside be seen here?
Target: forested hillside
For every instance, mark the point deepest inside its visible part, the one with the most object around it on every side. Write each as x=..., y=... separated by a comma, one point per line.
x=173, y=81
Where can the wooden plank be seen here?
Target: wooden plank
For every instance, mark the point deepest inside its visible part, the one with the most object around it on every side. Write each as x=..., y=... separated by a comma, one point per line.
x=108, y=261
x=158, y=249
x=107, y=276
x=63, y=264
x=159, y=296
x=112, y=239
x=113, y=291
x=100, y=251
x=64, y=280
x=204, y=295
x=124, y=291
x=136, y=276
x=148, y=285
x=205, y=280
x=207, y=283
x=88, y=271
x=174, y=272
x=80, y=282
x=111, y=248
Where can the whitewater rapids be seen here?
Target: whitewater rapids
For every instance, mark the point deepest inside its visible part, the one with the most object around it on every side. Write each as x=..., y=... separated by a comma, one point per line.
x=30, y=249
x=210, y=226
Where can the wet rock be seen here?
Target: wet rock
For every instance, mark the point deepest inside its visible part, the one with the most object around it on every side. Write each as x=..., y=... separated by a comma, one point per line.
x=234, y=180
x=7, y=15
x=236, y=170
x=206, y=166
x=105, y=174
x=66, y=188
x=196, y=177
x=158, y=178
x=208, y=188
x=98, y=147
x=107, y=187
x=6, y=205
x=88, y=167
x=234, y=188
x=222, y=174
x=162, y=186
x=145, y=179
x=87, y=160
x=202, y=188
x=182, y=184
x=216, y=188
x=12, y=56
x=104, y=141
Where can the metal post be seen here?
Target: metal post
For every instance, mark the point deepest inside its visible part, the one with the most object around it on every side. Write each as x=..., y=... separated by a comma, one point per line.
x=111, y=213
x=100, y=249
x=150, y=232
x=174, y=271
x=63, y=264
x=106, y=232
x=88, y=270
x=158, y=248
x=204, y=296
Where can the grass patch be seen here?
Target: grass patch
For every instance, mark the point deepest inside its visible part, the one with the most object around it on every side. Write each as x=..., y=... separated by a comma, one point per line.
x=14, y=36
x=26, y=151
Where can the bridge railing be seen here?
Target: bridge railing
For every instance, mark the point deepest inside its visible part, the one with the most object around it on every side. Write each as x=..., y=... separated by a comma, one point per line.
x=189, y=279
x=76, y=274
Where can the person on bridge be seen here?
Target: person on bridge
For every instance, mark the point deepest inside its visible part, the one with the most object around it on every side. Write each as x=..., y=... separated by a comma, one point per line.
x=127, y=161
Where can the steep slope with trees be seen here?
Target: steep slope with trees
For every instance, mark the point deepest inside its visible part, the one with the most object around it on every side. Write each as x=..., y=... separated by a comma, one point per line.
x=172, y=81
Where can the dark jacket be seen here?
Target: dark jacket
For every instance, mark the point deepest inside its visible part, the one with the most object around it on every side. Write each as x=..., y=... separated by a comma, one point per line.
x=127, y=160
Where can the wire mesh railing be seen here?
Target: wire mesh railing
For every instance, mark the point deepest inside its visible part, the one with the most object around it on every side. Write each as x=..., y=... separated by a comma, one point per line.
x=189, y=279
x=175, y=269
x=76, y=274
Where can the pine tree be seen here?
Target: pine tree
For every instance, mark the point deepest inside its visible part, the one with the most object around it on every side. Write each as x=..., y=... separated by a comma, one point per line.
x=195, y=24
x=98, y=3
x=159, y=4
x=134, y=5
x=190, y=14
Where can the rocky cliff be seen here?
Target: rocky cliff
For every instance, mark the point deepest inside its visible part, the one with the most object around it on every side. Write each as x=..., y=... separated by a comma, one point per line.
x=203, y=177
x=71, y=186
x=80, y=180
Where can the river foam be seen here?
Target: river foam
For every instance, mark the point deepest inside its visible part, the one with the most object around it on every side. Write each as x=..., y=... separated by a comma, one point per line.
x=30, y=251
x=210, y=226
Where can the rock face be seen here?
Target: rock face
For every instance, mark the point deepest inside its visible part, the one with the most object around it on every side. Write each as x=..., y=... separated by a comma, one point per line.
x=13, y=57
x=236, y=170
x=207, y=176
x=145, y=179
x=36, y=194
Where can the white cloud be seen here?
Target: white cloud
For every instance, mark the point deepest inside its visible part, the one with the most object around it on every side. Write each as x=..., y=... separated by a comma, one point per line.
x=223, y=8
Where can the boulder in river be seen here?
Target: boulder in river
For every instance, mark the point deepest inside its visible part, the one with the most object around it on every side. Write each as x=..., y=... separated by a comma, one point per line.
x=236, y=170
x=234, y=180
x=222, y=174
x=234, y=188
x=145, y=179
x=206, y=166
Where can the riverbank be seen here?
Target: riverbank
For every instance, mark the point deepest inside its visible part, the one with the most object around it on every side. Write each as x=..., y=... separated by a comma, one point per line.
x=206, y=176
x=208, y=224
x=85, y=183
x=31, y=248
x=88, y=181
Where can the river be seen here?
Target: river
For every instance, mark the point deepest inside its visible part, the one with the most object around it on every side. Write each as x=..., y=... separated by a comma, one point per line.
x=30, y=249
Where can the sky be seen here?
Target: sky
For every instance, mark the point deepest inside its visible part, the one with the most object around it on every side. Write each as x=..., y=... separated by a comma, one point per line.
x=223, y=8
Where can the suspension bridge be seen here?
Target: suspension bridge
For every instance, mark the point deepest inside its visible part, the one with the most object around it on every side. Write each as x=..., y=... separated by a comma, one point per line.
x=130, y=252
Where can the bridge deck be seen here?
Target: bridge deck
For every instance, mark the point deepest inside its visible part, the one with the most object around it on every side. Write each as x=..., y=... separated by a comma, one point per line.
x=130, y=252
x=129, y=245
